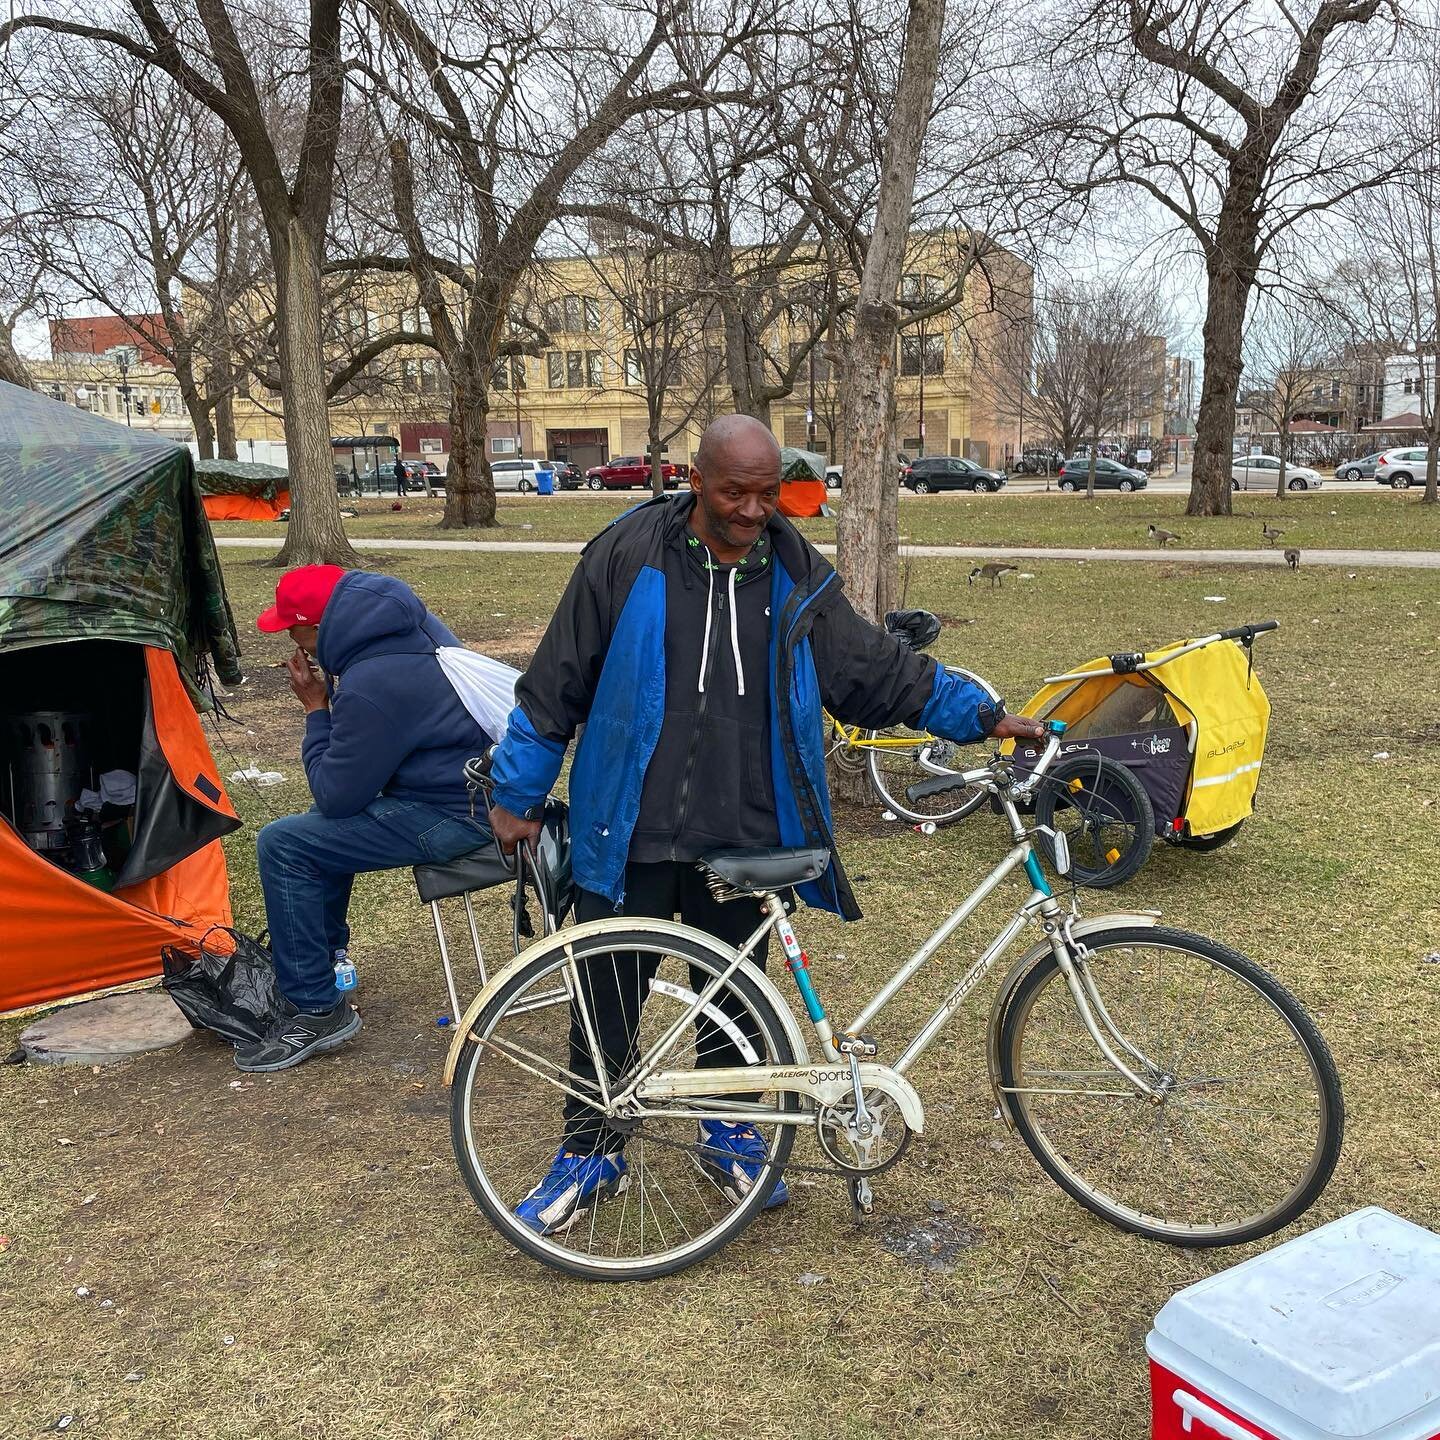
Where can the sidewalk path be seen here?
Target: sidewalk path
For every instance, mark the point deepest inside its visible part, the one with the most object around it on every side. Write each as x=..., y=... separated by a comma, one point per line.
x=1383, y=559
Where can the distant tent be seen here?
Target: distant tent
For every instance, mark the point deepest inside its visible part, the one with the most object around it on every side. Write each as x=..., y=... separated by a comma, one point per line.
x=111, y=604
x=802, y=482
x=242, y=489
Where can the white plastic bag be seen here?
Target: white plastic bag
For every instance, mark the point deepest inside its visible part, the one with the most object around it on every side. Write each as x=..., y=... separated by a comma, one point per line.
x=486, y=687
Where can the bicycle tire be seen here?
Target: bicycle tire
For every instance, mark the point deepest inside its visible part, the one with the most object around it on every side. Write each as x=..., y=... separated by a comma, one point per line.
x=483, y=1187
x=1203, y=843
x=1047, y=1150
x=946, y=813
x=1110, y=797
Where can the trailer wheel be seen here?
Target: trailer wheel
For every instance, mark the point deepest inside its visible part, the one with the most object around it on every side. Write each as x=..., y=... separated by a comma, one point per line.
x=1211, y=842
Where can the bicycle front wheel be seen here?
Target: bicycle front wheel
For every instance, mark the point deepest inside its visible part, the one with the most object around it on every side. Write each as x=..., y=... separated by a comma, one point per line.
x=1248, y=1124
x=529, y=1054
x=905, y=786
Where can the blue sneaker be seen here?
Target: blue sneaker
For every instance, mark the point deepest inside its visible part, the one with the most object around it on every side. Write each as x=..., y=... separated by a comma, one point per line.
x=733, y=1156
x=566, y=1193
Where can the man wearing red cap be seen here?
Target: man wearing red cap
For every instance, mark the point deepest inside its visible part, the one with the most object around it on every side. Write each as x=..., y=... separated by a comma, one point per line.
x=386, y=740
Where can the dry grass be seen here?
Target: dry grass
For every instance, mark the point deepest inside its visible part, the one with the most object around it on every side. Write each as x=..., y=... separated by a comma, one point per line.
x=317, y=1219
x=1342, y=517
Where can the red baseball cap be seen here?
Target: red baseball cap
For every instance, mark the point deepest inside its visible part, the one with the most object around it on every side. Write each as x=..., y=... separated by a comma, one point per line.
x=301, y=597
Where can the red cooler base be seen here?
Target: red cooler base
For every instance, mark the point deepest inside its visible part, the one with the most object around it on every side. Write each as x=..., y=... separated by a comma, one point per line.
x=1174, y=1401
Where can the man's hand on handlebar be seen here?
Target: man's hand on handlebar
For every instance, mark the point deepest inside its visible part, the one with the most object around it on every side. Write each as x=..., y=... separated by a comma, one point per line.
x=510, y=829
x=1019, y=727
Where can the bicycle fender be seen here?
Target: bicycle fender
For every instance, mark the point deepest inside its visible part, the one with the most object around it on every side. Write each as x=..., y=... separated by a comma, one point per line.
x=550, y=944
x=1022, y=967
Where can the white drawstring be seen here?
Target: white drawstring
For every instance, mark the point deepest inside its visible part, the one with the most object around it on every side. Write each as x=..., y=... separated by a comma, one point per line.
x=735, y=634
x=709, y=607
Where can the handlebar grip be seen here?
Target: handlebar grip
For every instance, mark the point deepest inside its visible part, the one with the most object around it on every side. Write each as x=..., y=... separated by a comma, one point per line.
x=478, y=767
x=1241, y=632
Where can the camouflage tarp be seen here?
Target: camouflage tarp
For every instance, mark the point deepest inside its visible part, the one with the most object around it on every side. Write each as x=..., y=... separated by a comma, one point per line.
x=241, y=477
x=797, y=464
x=103, y=536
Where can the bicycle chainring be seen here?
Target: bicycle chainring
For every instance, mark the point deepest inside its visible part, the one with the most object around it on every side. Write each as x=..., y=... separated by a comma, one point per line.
x=853, y=1154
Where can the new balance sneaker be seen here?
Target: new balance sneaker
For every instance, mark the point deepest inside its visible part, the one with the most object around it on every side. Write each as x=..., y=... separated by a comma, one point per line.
x=297, y=1037
x=573, y=1184
x=733, y=1156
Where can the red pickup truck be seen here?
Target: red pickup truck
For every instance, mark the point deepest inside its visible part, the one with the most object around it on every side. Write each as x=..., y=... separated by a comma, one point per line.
x=632, y=472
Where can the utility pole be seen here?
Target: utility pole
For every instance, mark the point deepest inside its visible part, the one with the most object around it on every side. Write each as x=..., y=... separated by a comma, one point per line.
x=124, y=383
x=810, y=410
x=515, y=380
x=922, y=383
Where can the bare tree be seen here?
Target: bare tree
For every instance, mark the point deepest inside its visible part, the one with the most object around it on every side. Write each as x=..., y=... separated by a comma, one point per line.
x=868, y=532
x=1291, y=346
x=1237, y=119
x=243, y=65
x=1389, y=286
x=660, y=349
x=1094, y=345
x=506, y=163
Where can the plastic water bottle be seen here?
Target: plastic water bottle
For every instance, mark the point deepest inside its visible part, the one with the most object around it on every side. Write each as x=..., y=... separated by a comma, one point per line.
x=344, y=971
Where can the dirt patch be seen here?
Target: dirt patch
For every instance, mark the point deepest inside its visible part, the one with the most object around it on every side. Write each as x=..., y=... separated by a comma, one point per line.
x=934, y=1242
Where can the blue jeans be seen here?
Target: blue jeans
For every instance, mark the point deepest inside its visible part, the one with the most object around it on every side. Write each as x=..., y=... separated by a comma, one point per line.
x=308, y=863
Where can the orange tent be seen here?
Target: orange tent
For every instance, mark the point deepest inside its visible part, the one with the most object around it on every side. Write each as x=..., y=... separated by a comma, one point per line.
x=110, y=599
x=242, y=490
x=802, y=482
x=246, y=507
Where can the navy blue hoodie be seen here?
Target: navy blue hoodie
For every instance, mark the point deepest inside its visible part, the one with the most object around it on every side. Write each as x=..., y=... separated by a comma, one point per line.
x=395, y=725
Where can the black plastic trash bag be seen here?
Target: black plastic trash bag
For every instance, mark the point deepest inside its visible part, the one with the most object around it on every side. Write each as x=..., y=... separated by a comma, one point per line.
x=234, y=995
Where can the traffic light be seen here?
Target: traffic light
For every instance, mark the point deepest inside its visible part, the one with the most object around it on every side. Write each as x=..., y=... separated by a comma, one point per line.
x=139, y=404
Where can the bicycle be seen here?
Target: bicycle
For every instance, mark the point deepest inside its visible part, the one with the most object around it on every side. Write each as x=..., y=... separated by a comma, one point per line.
x=1163, y=1081
x=911, y=771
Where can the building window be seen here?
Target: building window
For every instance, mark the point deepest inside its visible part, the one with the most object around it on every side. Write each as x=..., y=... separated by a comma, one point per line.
x=572, y=315
x=502, y=444
x=379, y=429
x=555, y=369
x=594, y=371
x=634, y=374
x=511, y=377
x=574, y=369
x=911, y=347
x=918, y=289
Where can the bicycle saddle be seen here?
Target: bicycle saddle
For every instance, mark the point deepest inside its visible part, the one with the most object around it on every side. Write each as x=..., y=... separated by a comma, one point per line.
x=756, y=870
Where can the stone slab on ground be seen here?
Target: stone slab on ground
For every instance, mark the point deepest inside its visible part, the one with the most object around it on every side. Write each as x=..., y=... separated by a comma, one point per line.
x=102, y=1031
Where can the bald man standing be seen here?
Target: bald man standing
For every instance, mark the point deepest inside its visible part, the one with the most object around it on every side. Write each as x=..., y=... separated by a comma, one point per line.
x=696, y=642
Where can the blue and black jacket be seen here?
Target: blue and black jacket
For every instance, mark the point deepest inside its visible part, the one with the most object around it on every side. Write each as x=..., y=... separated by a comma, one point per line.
x=601, y=666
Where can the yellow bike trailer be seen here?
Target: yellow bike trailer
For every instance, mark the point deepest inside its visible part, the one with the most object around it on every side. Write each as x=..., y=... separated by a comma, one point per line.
x=1188, y=720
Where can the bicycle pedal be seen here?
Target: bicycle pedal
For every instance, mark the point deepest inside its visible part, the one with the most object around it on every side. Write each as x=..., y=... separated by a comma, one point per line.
x=865, y=1046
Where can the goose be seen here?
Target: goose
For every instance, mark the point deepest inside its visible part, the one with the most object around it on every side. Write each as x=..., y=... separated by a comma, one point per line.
x=1271, y=533
x=1292, y=557
x=994, y=573
x=1162, y=537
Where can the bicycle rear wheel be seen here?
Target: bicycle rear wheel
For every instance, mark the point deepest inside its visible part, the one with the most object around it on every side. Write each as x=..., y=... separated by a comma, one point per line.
x=905, y=787
x=1249, y=1127
x=515, y=1071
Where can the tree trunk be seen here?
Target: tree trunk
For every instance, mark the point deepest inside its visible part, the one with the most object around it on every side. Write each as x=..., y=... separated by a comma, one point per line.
x=1432, y=451
x=222, y=381
x=868, y=546
x=1090, y=468
x=1284, y=459
x=469, y=483
x=315, y=535
x=13, y=369
x=657, y=468
x=1226, y=295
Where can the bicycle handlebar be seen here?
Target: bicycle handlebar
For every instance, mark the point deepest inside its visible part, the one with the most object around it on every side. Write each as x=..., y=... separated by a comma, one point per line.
x=1137, y=664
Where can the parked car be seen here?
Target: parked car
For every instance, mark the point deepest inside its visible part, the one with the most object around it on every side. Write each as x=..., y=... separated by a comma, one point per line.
x=568, y=476
x=1261, y=472
x=632, y=472
x=1400, y=469
x=521, y=475
x=1361, y=469
x=949, y=472
x=1109, y=475
x=1036, y=461
x=835, y=474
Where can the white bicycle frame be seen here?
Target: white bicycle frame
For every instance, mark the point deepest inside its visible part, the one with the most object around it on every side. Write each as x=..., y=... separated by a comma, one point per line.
x=843, y=1074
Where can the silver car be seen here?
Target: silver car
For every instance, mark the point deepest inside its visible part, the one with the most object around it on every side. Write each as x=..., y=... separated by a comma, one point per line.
x=521, y=475
x=1262, y=472
x=1401, y=468
x=1361, y=469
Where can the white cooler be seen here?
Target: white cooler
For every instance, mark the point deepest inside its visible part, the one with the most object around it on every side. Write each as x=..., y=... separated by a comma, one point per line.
x=1335, y=1333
